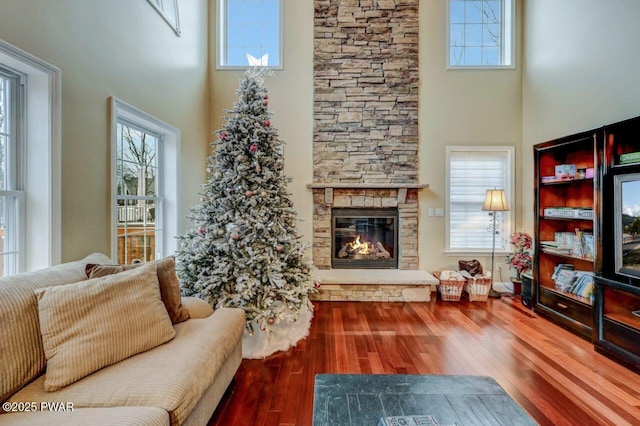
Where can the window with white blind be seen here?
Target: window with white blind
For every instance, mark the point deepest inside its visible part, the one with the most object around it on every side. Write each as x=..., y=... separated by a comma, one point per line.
x=470, y=172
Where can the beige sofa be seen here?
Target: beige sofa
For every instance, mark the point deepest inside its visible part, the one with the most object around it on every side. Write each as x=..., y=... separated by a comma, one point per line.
x=178, y=382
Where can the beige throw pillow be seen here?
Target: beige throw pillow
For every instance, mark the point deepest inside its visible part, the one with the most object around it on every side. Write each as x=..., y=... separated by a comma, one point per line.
x=95, y=323
x=169, y=284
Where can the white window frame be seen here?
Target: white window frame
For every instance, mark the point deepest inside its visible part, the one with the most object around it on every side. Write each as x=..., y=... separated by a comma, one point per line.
x=14, y=229
x=42, y=165
x=221, y=44
x=508, y=44
x=171, y=15
x=508, y=224
x=167, y=208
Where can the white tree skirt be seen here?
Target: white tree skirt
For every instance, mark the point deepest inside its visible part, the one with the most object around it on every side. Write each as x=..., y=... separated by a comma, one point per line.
x=281, y=337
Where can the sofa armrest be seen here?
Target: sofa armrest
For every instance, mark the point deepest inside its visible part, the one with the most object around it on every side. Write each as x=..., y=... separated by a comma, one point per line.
x=197, y=308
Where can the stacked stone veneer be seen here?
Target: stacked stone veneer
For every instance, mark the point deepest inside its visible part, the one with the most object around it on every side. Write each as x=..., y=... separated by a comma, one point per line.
x=366, y=91
x=406, y=200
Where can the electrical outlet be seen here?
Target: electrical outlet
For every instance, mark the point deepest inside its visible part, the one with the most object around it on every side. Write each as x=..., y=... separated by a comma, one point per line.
x=430, y=211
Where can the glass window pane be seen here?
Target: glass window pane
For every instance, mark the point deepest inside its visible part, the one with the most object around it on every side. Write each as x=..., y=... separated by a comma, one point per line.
x=492, y=11
x=252, y=36
x=236, y=56
x=456, y=11
x=270, y=36
x=270, y=12
x=3, y=162
x=4, y=104
x=235, y=35
x=491, y=55
x=473, y=56
x=473, y=12
x=473, y=35
x=274, y=54
x=456, y=55
x=491, y=35
x=235, y=12
x=252, y=13
x=456, y=35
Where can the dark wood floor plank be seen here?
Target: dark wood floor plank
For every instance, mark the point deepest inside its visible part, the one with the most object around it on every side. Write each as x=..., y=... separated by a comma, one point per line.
x=555, y=376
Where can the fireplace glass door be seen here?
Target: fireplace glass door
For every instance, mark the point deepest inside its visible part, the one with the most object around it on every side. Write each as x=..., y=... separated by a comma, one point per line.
x=364, y=238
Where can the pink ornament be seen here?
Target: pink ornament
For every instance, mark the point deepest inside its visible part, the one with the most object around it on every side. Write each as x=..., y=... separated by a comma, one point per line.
x=265, y=102
x=201, y=231
x=271, y=320
x=249, y=194
x=316, y=284
x=267, y=123
x=223, y=136
x=279, y=248
x=253, y=148
x=266, y=97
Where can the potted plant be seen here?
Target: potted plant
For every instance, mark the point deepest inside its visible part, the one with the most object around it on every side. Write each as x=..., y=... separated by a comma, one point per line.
x=520, y=257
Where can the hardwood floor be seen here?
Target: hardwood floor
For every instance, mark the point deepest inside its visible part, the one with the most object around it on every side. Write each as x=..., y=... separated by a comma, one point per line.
x=555, y=376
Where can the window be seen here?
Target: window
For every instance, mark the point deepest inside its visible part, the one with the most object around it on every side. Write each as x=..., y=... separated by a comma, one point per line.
x=30, y=192
x=145, y=181
x=250, y=33
x=470, y=172
x=481, y=33
x=168, y=9
x=11, y=194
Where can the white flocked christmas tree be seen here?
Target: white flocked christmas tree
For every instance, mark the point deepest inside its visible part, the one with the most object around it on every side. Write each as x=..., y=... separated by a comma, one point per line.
x=244, y=250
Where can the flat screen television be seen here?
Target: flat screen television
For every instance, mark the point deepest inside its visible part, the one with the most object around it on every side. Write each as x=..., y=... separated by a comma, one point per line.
x=627, y=224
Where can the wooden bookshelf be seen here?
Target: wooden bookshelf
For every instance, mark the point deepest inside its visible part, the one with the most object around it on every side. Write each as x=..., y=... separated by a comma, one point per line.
x=567, y=309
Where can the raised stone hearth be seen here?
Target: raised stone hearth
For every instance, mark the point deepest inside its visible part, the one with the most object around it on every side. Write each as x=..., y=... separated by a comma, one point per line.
x=374, y=285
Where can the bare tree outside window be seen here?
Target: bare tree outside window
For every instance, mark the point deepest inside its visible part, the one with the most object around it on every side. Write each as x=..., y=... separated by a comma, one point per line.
x=480, y=33
x=137, y=193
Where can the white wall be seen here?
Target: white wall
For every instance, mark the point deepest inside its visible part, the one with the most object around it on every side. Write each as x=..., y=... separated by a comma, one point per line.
x=118, y=48
x=473, y=107
x=581, y=71
x=459, y=107
x=290, y=101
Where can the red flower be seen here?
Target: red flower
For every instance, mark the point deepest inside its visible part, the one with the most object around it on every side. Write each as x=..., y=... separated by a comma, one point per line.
x=520, y=259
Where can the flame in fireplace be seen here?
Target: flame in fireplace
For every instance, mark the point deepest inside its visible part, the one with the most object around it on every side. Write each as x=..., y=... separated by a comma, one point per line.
x=364, y=247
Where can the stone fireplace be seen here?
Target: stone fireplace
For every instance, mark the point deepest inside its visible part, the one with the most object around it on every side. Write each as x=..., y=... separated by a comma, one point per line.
x=365, y=149
x=393, y=206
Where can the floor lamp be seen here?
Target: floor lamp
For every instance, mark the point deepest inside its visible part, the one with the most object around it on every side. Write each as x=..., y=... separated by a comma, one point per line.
x=495, y=201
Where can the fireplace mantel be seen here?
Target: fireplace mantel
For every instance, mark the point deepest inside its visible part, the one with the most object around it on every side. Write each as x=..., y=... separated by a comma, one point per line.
x=400, y=187
x=344, y=185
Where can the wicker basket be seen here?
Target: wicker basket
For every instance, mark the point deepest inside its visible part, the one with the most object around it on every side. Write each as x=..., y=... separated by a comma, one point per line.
x=477, y=290
x=450, y=290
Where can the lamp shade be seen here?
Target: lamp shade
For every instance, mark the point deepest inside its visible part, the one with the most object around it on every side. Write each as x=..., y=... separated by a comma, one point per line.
x=495, y=201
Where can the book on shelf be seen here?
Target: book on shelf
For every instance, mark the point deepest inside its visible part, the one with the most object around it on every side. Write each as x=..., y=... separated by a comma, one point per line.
x=569, y=280
x=578, y=244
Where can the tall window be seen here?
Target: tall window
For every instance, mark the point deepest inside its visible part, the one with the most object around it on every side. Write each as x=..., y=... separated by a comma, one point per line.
x=30, y=138
x=145, y=182
x=11, y=194
x=481, y=33
x=470, y=172
x=250, y=33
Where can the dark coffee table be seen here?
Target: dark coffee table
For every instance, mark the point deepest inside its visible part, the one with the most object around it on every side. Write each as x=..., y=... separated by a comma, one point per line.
x=355, y=399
